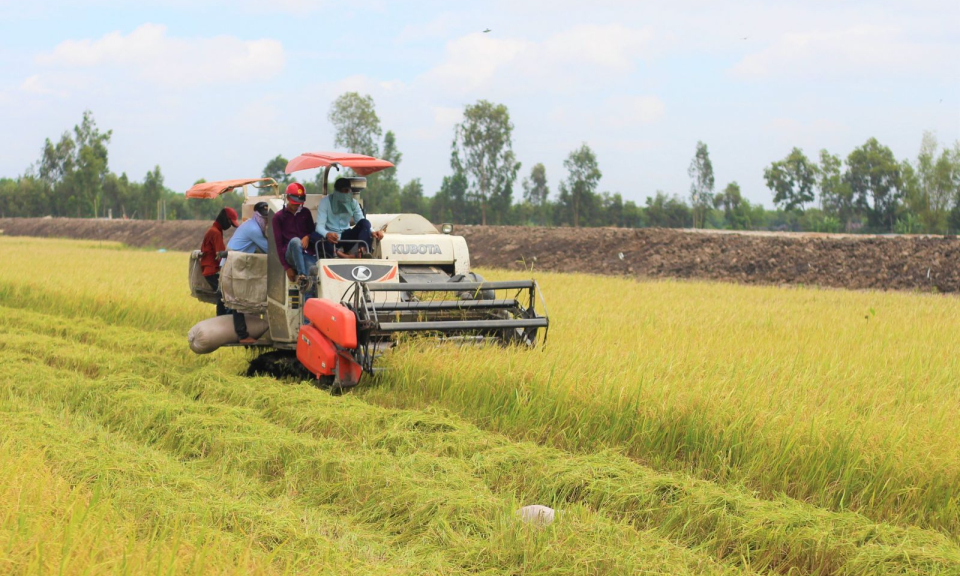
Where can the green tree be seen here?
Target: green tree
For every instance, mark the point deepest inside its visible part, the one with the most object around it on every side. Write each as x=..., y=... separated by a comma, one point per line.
x=450, y=203
x=736, y=210
x=391, y=153
x=57, y=160
x=874, y=177
x=701, y=189
x=664, y=211
x=937, y=184
x=611, y=211
x=56, y=170
x=836, y=196
x=792, y=180
x=535, y=189
x=501, y=200
x=412, y=200
x=536, y=193
x=276, y=169
x=27, y=196
x=91, y=162
x=382, y=195
x=356, y=122
x=816, y=220
x=152, y=193
x=583, y=175
x=118, y=195
x=76, y=167
x=482, y=149
x=948, y=172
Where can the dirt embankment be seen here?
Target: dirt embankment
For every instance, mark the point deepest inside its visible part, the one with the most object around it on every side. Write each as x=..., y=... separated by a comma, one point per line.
x=172, y=235
x=842, y=261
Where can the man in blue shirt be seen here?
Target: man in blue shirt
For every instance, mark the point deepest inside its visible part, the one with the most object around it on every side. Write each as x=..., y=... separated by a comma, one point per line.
x=251, y=236
x=333, y=224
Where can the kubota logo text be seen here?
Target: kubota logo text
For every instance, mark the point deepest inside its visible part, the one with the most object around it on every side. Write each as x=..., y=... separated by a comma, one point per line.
x=415, y=249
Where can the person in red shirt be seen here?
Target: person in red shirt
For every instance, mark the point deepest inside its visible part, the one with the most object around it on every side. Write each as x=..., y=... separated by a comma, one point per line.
x=212, y=250
x=213, y=245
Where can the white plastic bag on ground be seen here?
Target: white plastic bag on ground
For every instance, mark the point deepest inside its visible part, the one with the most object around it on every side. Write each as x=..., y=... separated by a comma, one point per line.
x=212, y=333
x=536, y=514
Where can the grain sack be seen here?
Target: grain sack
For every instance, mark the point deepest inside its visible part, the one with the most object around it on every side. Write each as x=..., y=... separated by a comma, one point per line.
x=212, y=333
x=199, y=288
x=243, y=282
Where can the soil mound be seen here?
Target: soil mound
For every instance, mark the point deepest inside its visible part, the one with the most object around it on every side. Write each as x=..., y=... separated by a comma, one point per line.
x=842, y=261
x=172, y=234
x=928, y=263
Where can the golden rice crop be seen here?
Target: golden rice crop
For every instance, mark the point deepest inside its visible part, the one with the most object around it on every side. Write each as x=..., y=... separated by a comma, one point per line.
x=683, y=428
x=845, y=399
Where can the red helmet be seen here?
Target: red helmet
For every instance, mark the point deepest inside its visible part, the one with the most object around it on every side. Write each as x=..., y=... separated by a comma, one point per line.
x=296, y=193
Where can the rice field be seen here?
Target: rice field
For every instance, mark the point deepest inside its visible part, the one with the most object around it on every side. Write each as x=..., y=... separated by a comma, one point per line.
x=677, y=427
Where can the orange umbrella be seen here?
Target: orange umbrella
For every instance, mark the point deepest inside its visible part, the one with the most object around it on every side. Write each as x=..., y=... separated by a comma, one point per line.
x=362, y=165
x=214, y=189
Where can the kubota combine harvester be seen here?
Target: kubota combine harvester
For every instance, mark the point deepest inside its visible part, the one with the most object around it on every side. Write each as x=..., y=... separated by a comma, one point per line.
x=418, y=281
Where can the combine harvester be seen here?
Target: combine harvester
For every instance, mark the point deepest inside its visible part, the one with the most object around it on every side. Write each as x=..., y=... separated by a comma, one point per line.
x=418, y=281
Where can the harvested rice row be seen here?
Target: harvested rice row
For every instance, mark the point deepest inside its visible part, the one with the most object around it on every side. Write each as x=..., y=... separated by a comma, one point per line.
x=432, y=507
x=782, y=535
x=155, y=514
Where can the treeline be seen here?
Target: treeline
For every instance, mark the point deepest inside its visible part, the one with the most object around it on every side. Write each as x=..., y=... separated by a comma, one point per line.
x=72, y=179
x=867, y=191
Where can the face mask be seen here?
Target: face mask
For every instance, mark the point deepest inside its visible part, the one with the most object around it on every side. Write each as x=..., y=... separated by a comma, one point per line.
x=340, y=202
x=261, y=222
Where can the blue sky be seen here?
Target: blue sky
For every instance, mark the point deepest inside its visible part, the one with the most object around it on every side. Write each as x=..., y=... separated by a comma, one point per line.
x=215, y=89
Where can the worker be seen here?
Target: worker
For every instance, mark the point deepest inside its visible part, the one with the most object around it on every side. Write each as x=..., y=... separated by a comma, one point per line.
x=251, y=236
x=292, y=227
x=333, y=224
x=212, y=250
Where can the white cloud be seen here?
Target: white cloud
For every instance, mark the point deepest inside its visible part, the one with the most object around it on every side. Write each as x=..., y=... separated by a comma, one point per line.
x=613, y=47
x=358, y=83
x=563, y=61
x=856, y=52
x=805, y=133
x=439, y=27
x=296, y=7
x=33, y=85
x=473, y=60
x=634, y=109
x=444, y=119
x=149, y=53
